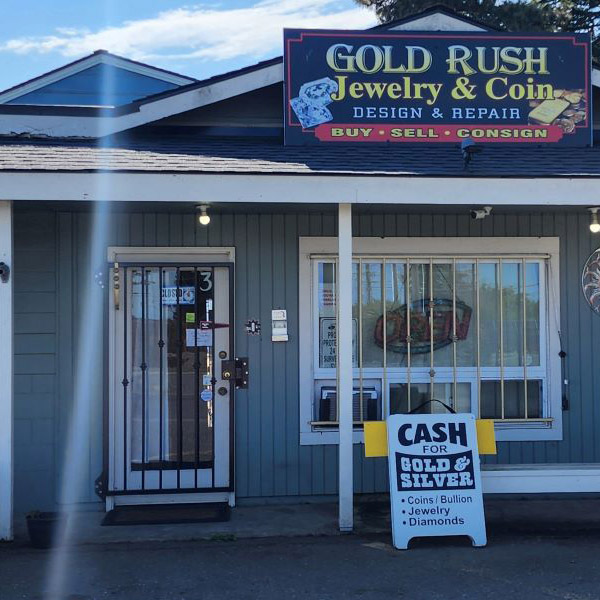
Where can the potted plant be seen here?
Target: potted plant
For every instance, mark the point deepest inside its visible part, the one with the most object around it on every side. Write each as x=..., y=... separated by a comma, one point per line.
x=45, y=528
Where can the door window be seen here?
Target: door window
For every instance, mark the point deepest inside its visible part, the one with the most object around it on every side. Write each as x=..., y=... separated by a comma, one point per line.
x=171, y=408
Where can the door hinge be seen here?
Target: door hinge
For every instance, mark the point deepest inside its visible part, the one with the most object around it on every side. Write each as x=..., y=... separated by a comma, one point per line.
x=116, y=285
x=100, y=485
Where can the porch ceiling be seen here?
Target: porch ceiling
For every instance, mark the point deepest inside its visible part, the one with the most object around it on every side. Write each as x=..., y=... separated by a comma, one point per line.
x=160, y=153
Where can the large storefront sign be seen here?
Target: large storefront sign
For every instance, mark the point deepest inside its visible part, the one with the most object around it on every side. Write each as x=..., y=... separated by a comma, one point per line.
x=435, y=479
x=351, y=86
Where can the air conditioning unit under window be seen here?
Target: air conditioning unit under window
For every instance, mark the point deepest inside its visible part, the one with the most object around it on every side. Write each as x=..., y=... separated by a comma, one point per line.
x=370, y=402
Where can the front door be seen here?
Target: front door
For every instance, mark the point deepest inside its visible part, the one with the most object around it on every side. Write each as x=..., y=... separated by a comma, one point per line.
x=171, y=412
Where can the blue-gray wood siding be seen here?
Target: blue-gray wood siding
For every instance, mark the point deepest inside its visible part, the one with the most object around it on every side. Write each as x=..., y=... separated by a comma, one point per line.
x=52, y=259
x=100, y=85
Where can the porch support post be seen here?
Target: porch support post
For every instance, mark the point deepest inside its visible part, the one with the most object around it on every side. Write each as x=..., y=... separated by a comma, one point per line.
x=344, y=366
x=6, y=375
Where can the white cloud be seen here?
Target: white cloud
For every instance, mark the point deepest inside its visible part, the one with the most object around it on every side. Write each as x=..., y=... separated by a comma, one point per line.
x=201, y=32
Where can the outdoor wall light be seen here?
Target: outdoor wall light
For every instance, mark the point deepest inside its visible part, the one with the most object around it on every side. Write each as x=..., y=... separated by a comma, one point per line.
x=203, y=217
x=594, y=225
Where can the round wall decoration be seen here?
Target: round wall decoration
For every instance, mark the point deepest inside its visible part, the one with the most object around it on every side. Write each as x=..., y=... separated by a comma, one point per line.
x=590, y=281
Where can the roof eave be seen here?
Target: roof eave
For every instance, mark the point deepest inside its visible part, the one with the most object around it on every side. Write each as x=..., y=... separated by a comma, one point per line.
x=97, y=57
x=439, y=9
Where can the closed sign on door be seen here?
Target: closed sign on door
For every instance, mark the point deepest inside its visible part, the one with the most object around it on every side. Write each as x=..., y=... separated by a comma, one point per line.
x=185, y=293
x=435, y=479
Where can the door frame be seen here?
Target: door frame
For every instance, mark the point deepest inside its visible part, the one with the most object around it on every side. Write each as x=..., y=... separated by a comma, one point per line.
x=165, y=256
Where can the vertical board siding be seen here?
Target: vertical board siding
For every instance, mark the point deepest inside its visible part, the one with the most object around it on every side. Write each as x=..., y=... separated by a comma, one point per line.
x=35, y=360
x=49, y=280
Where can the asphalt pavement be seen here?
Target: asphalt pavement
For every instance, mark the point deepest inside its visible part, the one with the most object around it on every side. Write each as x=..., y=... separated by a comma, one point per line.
x=514, y=565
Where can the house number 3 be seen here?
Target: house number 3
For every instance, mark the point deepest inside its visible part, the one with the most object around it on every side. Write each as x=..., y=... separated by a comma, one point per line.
x=205, y=284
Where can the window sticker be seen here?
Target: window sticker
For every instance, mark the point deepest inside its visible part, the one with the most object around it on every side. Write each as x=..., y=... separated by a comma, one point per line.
x=327, y=342
x=186, y=294
x=204, y=339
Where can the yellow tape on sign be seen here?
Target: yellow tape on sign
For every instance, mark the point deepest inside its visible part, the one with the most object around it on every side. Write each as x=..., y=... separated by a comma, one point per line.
x=376, y=437
x=486, y=436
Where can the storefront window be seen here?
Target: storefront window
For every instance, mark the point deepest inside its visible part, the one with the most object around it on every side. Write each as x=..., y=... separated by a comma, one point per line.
x=465, y=331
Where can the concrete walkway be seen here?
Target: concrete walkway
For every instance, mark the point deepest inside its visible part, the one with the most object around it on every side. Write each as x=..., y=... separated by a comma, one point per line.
x=526, y=516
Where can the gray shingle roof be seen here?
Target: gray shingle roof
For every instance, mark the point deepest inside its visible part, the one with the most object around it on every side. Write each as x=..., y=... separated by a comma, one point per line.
x=198, y=154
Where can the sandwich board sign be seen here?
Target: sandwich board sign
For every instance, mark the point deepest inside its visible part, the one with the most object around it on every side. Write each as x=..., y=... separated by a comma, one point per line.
x=435, y=478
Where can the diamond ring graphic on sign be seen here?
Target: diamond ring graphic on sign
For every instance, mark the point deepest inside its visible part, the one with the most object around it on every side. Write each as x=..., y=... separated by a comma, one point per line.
x=318, y=92
x=310, y=105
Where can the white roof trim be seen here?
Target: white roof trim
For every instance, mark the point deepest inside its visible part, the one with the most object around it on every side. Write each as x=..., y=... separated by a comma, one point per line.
x=91, y=61
x=147, y=70
x=437, y=21
x=298, y=189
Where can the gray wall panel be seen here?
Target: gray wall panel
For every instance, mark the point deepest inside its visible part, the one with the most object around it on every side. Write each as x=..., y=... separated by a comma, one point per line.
x=51, y=258
x=35, y=323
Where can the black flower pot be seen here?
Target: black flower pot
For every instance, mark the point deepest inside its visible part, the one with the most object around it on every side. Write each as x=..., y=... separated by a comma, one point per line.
x=45, y=528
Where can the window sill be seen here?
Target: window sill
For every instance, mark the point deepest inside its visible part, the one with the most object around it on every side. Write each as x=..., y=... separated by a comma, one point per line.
x=532, y=430
x=333, y=425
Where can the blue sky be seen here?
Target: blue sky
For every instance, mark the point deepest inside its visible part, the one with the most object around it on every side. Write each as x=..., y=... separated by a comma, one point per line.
x=197, y=39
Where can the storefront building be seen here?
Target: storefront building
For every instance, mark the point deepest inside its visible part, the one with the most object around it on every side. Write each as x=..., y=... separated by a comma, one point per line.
x=147, y=357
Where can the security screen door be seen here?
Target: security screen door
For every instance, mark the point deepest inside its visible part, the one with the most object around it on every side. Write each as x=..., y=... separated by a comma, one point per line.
x=171, y=410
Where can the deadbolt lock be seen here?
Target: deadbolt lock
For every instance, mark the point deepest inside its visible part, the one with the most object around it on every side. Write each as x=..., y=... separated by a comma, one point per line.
x=237, y=371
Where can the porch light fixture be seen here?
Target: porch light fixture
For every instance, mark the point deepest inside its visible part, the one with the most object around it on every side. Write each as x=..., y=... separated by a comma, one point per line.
x=203, y=217
x=594, y=225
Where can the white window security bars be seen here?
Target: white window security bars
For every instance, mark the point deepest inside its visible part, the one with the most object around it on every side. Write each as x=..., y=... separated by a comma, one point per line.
x=466, y=330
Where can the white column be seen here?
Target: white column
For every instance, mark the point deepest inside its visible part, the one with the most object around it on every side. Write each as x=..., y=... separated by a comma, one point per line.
x=6, y=376
x=344, y=366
